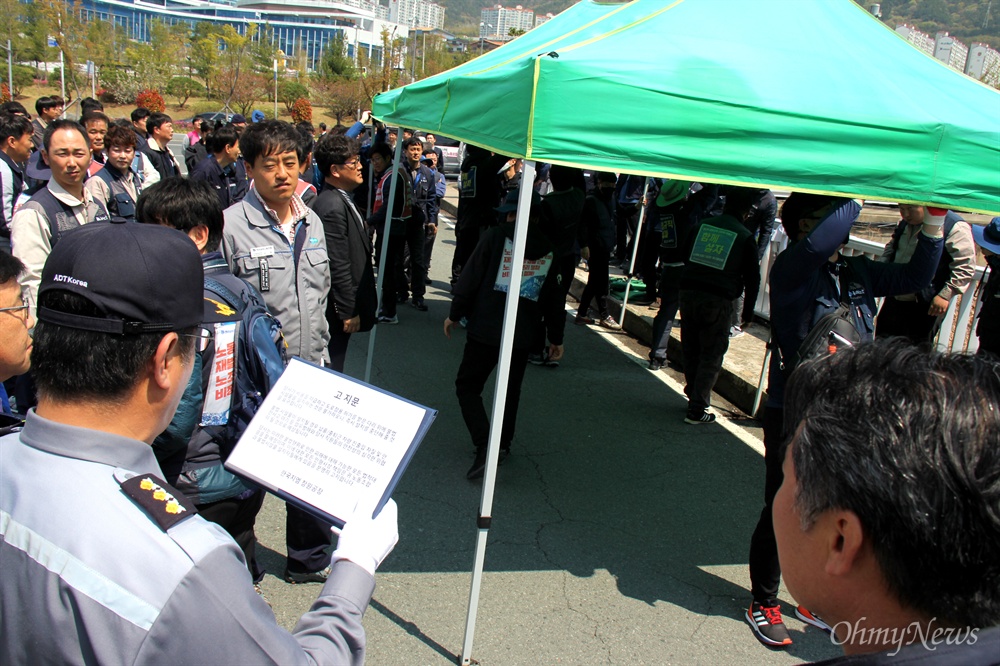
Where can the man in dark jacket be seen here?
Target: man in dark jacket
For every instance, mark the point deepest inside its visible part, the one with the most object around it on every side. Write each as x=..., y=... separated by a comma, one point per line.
x=480, y=296
x=190, y=455
x=560, y=218
x=223, y=169
x=478, y=196
x=720, y=263
x=887, y=519
x=808, y=281
x=353, y=301
x=161, y=130
x=597, y=240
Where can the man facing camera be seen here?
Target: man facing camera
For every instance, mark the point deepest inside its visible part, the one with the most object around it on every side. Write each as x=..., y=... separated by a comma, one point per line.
x=888, y=519
x=103, y=561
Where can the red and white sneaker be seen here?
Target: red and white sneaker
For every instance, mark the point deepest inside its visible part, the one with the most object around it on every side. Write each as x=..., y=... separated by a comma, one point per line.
x=767, y=625
x=803, y=614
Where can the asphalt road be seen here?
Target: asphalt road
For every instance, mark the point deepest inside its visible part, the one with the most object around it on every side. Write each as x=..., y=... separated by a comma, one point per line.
x=619, y=533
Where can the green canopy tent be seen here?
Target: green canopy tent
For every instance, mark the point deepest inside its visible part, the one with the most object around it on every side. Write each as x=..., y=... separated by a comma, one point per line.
x=812, y=95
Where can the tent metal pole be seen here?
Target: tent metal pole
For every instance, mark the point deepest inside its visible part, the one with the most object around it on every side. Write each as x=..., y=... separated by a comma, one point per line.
x=382, y=241
x=763, y=376
x=635, y=251
x=499, y=402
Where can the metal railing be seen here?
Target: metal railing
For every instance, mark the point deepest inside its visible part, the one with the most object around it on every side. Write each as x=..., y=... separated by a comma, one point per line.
x=957, y=324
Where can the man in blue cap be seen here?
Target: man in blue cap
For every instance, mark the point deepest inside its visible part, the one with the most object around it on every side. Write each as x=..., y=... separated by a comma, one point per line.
x=988, y=327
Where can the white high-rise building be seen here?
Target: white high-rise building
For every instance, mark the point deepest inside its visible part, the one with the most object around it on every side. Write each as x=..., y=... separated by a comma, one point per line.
x=983, y=64
x=950, y=51
x=921, y=40
x=417, y=14
x=496, y=21
x=544, y=19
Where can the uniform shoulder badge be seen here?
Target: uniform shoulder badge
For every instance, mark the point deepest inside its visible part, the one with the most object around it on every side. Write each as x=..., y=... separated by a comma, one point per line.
x=165, y=504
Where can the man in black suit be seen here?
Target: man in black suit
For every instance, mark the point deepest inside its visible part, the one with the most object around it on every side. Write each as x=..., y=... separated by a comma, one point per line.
x=353, y=301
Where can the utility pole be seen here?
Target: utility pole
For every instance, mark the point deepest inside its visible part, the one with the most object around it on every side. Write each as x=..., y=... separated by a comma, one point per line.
x=10, y=71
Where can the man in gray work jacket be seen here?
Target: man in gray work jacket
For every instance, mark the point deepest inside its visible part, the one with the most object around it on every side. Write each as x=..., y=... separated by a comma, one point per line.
x=275, y=242
x=104, y=562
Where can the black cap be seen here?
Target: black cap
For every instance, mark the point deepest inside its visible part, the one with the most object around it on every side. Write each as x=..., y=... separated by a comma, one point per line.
x=145, y=278
x=239, y=119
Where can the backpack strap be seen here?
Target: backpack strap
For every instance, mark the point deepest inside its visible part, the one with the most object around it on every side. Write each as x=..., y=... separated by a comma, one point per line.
x=225, y=292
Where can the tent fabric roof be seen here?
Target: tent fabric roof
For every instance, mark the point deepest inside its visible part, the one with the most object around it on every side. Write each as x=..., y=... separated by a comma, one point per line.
x=815, y=95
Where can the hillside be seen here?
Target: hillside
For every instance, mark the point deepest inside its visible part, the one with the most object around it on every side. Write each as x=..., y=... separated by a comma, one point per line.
x=462, y=16
x=969, y=20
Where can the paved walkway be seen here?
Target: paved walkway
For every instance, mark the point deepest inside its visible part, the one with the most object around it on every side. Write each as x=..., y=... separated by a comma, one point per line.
x=619, y=536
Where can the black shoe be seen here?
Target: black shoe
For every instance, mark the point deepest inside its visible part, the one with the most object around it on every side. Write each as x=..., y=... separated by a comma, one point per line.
x=307, y=577
x=656, y=363
x=402, y=298
x=478, y=465
x=419, y=304
x=698, y=418
x=767, y=624
x=536, y=359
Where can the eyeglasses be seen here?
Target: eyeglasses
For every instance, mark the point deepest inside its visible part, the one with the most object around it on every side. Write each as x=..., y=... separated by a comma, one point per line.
x=19, y=310
x=202, y=338
x=352, y=164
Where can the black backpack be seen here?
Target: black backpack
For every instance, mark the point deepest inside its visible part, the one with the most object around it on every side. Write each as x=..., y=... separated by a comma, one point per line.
x=259, y=363
x=833, y=331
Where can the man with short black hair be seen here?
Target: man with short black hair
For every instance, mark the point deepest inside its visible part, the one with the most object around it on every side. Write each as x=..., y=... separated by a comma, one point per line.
x=15, y=109
x=47, y=111
x=161, y=130
x=424, y=196
x=223, y=169
x=888, y=519
x=115, y=184
x=140, y=117
x=353, y=301
x=96, y=124
x=276, y=243
x=63, y=204
x=124, y=569
x=192, y=449
x=15, y=149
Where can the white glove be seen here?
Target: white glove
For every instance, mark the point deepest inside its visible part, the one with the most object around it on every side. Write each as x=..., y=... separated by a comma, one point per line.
x=934, y=217
x=365, y=117
x=367, y=541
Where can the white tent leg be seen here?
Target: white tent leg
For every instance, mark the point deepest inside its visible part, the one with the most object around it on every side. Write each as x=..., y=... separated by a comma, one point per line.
x=499, y=401
x=635, y=251
x=382, y=241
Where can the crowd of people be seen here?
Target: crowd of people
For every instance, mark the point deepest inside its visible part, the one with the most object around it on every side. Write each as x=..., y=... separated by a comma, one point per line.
x=132, y=277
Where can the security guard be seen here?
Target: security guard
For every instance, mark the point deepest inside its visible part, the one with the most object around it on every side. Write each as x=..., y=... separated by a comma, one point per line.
x=103, y=562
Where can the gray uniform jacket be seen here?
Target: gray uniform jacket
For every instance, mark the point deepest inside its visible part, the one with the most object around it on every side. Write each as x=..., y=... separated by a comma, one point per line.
x=294, y=281
x=89, y=577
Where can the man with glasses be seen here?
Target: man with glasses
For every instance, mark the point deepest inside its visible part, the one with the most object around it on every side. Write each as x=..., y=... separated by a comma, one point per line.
x=15, y=336
x=353, y=300
x=103, y=561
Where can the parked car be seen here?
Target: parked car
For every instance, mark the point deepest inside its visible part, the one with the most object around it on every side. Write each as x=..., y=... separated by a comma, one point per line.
x=453, y=151
x=212, y=117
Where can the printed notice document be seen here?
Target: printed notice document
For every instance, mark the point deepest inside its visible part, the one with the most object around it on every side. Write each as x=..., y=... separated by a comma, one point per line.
x=327, y=442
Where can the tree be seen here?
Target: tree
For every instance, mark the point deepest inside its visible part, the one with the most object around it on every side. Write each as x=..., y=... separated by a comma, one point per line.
x=24, y=76
x=344, y=97
x=204, y=52
x=336, y=64
x=241, y=66
x=62, y=20
x=515, y=32
x=383, y=72
x=183, y=87
x=289, y=91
